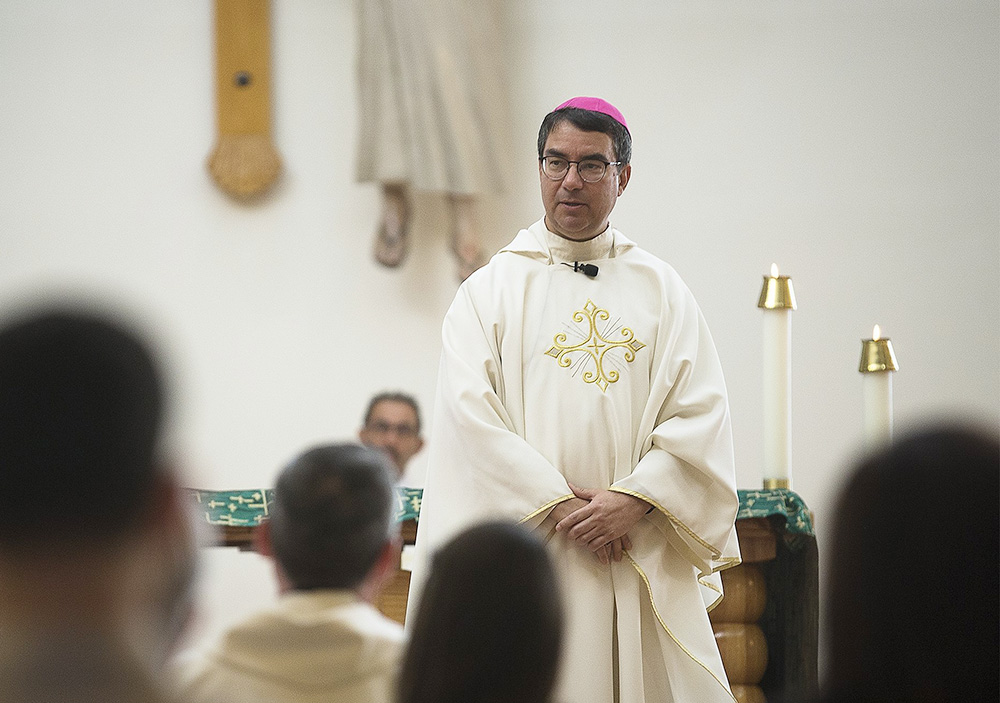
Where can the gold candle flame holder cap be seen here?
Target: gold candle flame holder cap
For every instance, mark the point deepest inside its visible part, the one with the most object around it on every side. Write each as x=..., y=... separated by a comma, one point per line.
x=877, y=356
x=777, y=294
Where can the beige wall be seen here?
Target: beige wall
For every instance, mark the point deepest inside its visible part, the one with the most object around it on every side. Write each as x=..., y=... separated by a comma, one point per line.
x=855, y=143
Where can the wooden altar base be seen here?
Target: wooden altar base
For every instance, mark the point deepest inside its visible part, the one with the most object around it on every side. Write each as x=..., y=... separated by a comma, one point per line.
x=392, y=600
x=767, y=626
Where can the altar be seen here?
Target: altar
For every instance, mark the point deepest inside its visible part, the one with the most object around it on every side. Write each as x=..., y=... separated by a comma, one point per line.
x=767, y=626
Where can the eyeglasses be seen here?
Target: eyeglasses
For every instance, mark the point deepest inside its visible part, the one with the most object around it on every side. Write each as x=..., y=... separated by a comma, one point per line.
x=380, y=427
x=555, y=168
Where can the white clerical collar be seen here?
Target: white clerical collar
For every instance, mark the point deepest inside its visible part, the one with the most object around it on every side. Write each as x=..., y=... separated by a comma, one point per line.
x=562, y=249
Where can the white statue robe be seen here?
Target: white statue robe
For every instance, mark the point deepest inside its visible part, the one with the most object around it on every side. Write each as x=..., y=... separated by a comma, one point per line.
x=431, y=95
x=549, y=377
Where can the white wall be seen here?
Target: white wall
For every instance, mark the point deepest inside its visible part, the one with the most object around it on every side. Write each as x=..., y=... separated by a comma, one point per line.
x=853, y=142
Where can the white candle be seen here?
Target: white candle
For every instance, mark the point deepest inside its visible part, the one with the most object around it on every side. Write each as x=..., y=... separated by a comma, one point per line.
x=778, y=301
x=878, y=363
x=777, y=406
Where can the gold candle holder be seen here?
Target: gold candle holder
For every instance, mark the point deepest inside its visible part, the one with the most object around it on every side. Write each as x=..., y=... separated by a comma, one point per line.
x=777, y=292
x=877, y=354
x=771, y=484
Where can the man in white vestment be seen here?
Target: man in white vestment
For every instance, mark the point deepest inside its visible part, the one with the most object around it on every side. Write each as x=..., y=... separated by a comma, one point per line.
x=580, y=393
x=333, y=537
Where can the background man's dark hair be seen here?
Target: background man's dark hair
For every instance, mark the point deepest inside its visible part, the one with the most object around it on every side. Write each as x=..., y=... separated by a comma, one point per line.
x=333, y=512
x=589, y=121
x=80, y=411
x=396, y=397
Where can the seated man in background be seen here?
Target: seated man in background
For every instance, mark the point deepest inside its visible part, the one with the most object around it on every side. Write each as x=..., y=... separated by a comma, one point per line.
x=392, y=424
x=333, y=539
x=96, y=554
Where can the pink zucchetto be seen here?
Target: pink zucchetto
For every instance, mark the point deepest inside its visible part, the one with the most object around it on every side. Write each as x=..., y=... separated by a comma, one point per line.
x=596, y=105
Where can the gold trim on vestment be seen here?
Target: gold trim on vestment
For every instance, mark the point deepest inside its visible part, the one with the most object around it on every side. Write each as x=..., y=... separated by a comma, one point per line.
x=551, y=504
x=716, y=553
x=666, y=629
x=725, y=562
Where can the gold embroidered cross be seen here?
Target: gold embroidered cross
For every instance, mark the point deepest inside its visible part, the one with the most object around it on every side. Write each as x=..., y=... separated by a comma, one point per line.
x=595, y=347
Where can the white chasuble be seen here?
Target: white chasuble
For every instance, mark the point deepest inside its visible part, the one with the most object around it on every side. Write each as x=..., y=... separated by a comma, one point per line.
x=549, y=376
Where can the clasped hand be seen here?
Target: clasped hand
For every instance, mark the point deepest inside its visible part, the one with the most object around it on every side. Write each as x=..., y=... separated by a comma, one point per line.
x=599, y=520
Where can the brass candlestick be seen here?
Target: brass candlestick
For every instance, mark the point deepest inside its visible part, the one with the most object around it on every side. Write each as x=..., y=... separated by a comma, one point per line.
x=878, y=361
x=777, y=292
x=877, y=355
x=777, y=299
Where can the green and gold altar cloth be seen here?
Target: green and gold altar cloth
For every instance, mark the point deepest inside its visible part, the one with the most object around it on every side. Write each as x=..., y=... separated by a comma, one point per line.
x=246, y=508
x=240, y=508
x=779, y=502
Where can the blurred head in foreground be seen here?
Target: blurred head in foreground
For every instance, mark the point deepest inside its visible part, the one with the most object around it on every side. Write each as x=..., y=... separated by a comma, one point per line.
x=95, y=542
x=913, y=596
x=489, y=623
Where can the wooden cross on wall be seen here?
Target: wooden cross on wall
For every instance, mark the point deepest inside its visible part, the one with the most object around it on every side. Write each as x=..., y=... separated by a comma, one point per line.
x=244, y=162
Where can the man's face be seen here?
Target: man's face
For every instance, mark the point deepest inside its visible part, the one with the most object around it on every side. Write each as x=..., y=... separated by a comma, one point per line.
x=392, y=427
x=575, y=209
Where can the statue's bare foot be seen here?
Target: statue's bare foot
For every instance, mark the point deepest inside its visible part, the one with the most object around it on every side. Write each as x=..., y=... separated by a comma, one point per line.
x=391, y=242
x=465, y=242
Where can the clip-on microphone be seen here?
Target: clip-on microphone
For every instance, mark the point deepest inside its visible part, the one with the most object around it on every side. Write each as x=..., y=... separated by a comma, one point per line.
x=588, y=270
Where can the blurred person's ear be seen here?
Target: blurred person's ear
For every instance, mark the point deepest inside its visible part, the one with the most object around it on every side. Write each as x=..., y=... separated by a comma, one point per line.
x=383, y=570
x=262, y=543
x=161, y=569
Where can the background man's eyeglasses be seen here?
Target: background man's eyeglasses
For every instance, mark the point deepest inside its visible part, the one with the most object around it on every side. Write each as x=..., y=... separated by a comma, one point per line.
x=384, y=428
